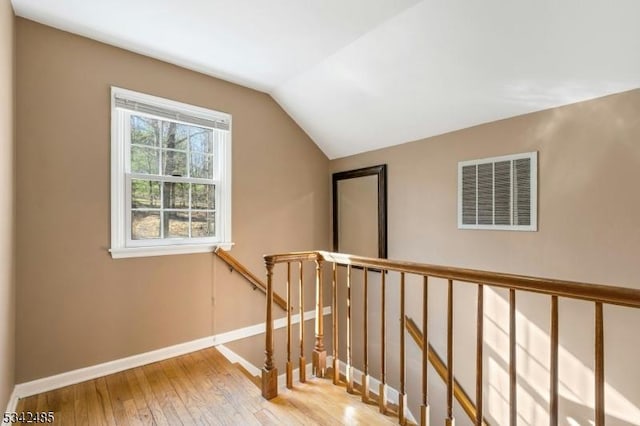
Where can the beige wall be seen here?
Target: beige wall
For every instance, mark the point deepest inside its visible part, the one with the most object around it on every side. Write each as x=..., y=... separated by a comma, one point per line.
x=76, y=306
x=589, y=169
x=358, y=216
x=7, y=291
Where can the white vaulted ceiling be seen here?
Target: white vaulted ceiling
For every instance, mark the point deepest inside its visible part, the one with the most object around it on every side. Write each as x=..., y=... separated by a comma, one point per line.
x=358, y=75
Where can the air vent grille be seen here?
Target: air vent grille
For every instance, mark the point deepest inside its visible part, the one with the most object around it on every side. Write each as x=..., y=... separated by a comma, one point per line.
x=498, y=193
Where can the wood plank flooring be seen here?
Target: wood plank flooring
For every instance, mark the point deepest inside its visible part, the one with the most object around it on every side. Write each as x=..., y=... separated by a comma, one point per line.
x=201, y=388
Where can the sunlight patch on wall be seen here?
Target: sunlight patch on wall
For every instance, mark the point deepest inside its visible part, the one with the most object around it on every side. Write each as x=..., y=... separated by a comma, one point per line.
x=576, y=379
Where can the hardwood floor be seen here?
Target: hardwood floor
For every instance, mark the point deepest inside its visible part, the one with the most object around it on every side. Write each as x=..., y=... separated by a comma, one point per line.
x=201, y=388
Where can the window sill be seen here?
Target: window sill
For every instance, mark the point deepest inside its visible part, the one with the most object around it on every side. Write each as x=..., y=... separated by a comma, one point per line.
x=128, y=252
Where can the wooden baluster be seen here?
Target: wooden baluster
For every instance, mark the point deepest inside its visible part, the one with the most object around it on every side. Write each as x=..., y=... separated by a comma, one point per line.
x=402, y=397
x=450, y=420
x=269, y=371
x=365, y=375
x=289, y=367
x=553, y=367
x=334, y=318
x=479, y=354
x=513, y=396
x=319, y=353
x=302, y=364
x=349, y=368
x=599, y=349
x=424, y=409
x=382, y=399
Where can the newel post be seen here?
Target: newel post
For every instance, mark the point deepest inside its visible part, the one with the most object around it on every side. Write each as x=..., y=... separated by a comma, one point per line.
x=319, y=352
x=269, y=372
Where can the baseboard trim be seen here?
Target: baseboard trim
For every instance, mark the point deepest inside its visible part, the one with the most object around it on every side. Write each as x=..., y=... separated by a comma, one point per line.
x=255, y=371
x=57, y=381
x=235, y=358
x=254, y=330
x=34, y=387
x=392, y=393
x=12, y=404
x=282, y=378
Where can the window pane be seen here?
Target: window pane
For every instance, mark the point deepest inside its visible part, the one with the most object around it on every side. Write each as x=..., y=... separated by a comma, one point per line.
x=202, y=166
x=200, y=140
x=145, y=131
x=174, y=163
x=176, y=224
x=145, y=225
x=203, y=197
x=203, y=224
x=176, y=195
x=145, y=193
x=174, y=135
x=144, y=160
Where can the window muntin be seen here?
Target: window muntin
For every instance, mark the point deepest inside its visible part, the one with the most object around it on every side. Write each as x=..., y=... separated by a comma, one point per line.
x=172, y=173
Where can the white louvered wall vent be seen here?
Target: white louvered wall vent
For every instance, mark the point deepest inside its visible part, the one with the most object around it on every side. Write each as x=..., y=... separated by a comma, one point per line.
x=499, y=193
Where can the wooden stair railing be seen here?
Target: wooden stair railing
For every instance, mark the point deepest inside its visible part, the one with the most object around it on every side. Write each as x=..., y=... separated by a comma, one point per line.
x=440, y=367
x=256, y=282
x=599, y=295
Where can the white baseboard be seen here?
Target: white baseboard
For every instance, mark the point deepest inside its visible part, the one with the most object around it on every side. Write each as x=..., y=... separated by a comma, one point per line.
x=254, y=370
x=374, y=384
x=235, y=358
x=12, y=404
x=254, y=330
x=282, y=378
x=45, y=384
x=392, y=393
x=34, y=387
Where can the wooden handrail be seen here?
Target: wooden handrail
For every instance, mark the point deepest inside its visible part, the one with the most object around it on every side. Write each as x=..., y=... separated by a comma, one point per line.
x=235, y=265
x=594, y=293
x=440, y=367
x=621, y=296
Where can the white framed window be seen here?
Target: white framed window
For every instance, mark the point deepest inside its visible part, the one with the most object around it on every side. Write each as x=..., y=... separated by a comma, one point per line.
x=170, y=176
x=499, y=193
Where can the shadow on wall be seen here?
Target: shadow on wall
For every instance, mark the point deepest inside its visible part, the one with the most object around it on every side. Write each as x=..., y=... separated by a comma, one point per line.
x=588, y=231
x=576, y=387
x=575, y=358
